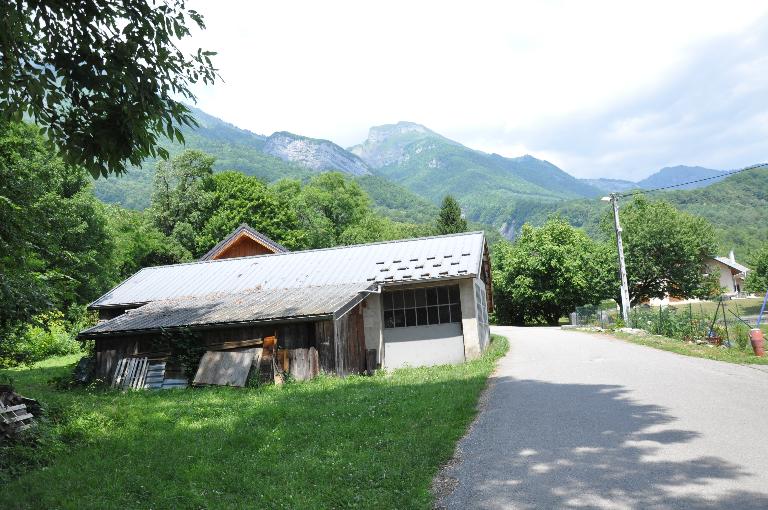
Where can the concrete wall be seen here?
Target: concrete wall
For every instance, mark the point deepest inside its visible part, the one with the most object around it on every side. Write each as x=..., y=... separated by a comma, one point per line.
x=481, y=304
x=726, y=279
x=469, y=319
x=430, y=345
x=418, y=346
x=374, y=325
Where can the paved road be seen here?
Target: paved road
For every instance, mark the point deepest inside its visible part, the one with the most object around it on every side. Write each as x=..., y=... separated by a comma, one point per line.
x=574, y=420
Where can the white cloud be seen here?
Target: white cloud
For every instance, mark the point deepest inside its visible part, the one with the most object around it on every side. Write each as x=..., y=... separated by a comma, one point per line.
x=590, y=85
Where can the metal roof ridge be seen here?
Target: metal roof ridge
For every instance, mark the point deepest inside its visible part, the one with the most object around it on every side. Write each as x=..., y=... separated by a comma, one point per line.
x=314, y=250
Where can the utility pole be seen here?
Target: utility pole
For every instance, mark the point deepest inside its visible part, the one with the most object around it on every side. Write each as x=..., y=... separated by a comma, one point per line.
x=614, y=199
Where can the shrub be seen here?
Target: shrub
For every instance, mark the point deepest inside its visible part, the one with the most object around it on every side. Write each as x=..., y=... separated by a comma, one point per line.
x=51, y=334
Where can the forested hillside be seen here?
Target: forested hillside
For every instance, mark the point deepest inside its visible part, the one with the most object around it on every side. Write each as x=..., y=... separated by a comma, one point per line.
x=434, y=166
x=406, y=169
x=737, y=206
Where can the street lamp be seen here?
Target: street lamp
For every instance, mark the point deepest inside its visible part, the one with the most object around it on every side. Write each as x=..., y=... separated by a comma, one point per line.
x=614, y=199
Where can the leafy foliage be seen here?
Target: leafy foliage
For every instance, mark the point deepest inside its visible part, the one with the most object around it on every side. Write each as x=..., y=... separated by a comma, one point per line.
x=736, y=206
x=139, y=244
x=55, y=248
x=548, y=272
x=238, y=198
x=100, y=76
x=665, y=251
x=233, y=148
x=182, y=195
x=326, y=206
x=49, y=334
x=757, y=278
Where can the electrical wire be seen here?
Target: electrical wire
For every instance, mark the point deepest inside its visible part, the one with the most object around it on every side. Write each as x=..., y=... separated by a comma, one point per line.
x=721, y=176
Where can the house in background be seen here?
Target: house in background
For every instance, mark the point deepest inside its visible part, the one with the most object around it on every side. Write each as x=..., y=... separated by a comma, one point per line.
x=731, y=274
x=341, y=310
x=244, y=241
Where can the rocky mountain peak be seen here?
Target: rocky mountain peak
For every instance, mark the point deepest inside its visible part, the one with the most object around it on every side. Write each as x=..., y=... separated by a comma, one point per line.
x=315, y=154
x=386, y=144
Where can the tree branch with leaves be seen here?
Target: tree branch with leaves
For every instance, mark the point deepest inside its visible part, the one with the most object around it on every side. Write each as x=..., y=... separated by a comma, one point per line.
x=102, y=78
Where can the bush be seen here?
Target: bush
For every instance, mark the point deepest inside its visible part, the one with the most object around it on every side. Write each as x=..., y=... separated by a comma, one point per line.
x=51, y=334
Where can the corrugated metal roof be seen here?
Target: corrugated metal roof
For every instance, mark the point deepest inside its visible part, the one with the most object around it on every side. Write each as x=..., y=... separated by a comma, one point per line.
x=242, y=307
x=244, y=227
x=426, y=258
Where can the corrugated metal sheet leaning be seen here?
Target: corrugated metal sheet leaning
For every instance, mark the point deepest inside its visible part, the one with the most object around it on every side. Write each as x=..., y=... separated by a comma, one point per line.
x=246, y=306
x=422, y=259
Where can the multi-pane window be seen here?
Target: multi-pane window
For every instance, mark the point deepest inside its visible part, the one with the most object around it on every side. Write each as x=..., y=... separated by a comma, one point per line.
x=421, y=307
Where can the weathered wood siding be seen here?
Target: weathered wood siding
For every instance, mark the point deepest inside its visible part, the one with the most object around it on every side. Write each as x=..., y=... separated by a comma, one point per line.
x=109, y=352
x=349, y=337
x=336, y=347
x=325, y=344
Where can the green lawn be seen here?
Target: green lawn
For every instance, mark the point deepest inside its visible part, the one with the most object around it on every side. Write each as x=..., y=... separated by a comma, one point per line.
x=732, y=355
x=373, y=442
x=744, y=307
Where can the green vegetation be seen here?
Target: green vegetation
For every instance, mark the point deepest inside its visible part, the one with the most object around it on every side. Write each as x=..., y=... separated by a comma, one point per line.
x=233, y=149
x=733, y=355
x=328, y=443
x=62, y=247
x=450, y=220
x=736, y=207
x=484, y=184
x=665, y=250
x=397, y=202
x=551, y=270
x=548, y=272
x=757, y=279
x=105, y=91
x=54, y=240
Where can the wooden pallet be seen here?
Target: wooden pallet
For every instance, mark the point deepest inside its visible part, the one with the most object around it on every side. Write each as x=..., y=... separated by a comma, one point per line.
x=131, y=373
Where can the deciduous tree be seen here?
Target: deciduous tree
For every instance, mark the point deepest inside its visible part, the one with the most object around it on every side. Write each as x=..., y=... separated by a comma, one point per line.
x=182, y=195
x=665, y=250
x=55, y=248
x=548, y=272
x=239, y=198
x=757, y=278
x=102, y=77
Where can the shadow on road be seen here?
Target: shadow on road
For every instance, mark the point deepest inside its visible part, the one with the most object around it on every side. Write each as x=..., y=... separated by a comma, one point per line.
x=545, y=445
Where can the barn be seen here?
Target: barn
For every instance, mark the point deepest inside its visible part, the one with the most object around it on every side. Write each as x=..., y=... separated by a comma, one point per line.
x=342, y=310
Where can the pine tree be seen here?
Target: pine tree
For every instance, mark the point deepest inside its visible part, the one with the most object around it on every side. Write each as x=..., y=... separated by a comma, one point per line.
x=449, y=221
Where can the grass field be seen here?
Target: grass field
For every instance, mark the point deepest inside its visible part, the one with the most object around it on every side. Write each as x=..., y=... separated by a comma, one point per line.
x=742, y=307
x=732, y=355
x=371, y=442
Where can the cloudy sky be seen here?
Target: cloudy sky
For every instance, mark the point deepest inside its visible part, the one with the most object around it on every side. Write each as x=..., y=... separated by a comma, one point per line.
x=611, y=89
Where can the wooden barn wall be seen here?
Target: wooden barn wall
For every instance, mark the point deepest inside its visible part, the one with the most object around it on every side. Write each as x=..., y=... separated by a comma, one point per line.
x=290, y=336
x=325, y=344
x=349, y=336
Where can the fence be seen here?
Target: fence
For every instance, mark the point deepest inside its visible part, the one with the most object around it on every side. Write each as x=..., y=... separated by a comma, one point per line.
x=686, y=322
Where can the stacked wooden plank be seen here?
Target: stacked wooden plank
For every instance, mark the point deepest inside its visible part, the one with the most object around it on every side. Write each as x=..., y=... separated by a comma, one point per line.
x=155, y=375
x=178, y=383
x=14, y=419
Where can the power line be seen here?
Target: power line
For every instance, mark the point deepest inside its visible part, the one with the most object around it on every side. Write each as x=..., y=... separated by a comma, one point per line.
x=721, y=176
